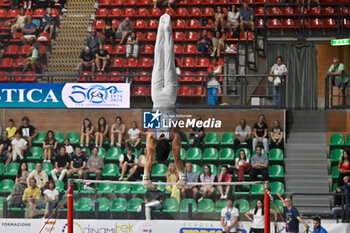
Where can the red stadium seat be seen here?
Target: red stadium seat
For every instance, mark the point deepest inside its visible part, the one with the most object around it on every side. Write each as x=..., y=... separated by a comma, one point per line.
x=179, y=24
x=131, y=62
x=54, y=12
x=139, y=24
x=43, y=49
x=190, y=49
x=146, y=77
x=154, y=12
x=185, y=91
x=140, y=90
x=6, y=63
x=119, y=49
x=147, y=49
x=315, y=10
x=221, y=2
x=104, y=3
x=11, y=50
x=191, y=36
x=146, y=62
x=115, y=13
x=28, y=79
x=262, y=2
x=12, y=13
x=4, y=3
x=98, y=77
x=29, y=12
x=341, y=1
x=199, y=91
x=315, y=23
x=181, y=12
x=102, y=13
x=5, y=24
x=297, y=11
x=187, y=62
x=3, y=13
x=117, y=62
x=16, y=37
x=4, y=78
x=16, y=77
x=141, y=12
x=260, y=23
x=194, y=2
x=208, y=34
x=116, y=77
x=186, y=79
x=84, y=78
x=330, y=23
x=209, y=25
x=194, y=12
x=259, y=11
x=274, y=11
x=346, y=23
x=24, y=50
x=193, y=23
x=243, y=36
x=108, y=48
x=327, y=1
x=178, y=49
x=129, y=2
x=115, y=23
x=178, y=36
x=145, y=3
x=99, y=24
x=328, y=10
x=18, y=61
x=169, y=11
x=43, y=34
x=274, y=23
x=182, y=3
x=287, y=11
x=150, y=36
x=289, y=23
x=208, y=2
x=344, y=10
x=128, y=12
x=152, y=24
x=207, y=12
x=202, y=62
x=274, y=1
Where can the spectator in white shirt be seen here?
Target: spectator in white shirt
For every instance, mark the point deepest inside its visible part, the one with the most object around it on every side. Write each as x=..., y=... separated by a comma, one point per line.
x=128, y=163
x=18, y=146
x=258, y=217
x=68, y=146
x=243, y=134
x=134, y=135
x=229, y=217
x=232, y=19
x=51, y=196
x=278, y=69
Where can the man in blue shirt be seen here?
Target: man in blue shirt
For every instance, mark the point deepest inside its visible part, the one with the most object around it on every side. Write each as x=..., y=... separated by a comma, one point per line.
x=292, y=215
x=29, y=31
x=317, y=226
x=246, y=16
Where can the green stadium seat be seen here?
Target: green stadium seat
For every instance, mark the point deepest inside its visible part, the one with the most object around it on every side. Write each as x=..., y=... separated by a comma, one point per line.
x=184, y=205
x=219, y=205
x=197, y=169
x=206, y=206
x=103, y=204
x=276, y=155
x=113, y=154
x=59, y=186
x=2, y=169
x=348, y=140
x=138, y=189
x=227, y=139
x=84, y=204
x=194, y=154
x=31, y=167
x=247, y=152
x=12, y=169
x=210, y=154
x=47, y=167
x=110, y=170
x=134, y=204
x=212, y=168
x=59, y=137
x=39, y=139
x=212, y=139
x=105, y=188
x=118, y=205
x=242, y=205
x=2, y=200
x=279, y=205
x=122, y=188
x=6, y=185
x=336, y=154
x=335, y=172
x=73, y=137
x=171, y=205
x=36, y=152
x=161, y=188
x=182, y=155
x=336, y=139
x=258, y=189
x=159, y=171
x=244, y=191
x=277, y=187
x=276, y=171
x=101, y=152
x=86, y=150
x=227, y=154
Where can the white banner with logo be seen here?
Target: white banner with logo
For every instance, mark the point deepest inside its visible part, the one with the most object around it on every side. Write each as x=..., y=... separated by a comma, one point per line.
x=138, y=226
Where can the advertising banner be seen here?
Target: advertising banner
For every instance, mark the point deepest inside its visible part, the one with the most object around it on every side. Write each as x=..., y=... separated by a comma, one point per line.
x=69, y=95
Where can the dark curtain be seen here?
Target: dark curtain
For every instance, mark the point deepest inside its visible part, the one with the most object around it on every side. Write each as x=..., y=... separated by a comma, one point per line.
x=301, y=83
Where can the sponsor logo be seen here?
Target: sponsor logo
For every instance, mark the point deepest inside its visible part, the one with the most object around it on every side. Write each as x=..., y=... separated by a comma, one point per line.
x=76, y=228
x=207, y=230
x=151, y=120
x=90, y=229
x=16, y=224
x=147, y=230
x=124, y=228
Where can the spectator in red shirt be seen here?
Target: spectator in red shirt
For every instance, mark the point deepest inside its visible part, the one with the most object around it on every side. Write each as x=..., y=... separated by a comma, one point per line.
x=224, y=177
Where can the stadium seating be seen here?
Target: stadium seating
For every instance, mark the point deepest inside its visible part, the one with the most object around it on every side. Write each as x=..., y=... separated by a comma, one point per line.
x=118, y=205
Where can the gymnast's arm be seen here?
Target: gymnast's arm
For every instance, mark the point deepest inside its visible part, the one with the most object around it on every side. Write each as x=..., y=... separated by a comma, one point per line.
x=176, y=145
x=151, y=148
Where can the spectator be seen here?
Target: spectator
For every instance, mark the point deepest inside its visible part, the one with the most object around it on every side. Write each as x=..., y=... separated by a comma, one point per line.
x=345, y=188
x=337, y=70
x=155, y=3
x=5, y=148
x=190, y=177
x=242, y=165
x=108, y=32
x=29, y=31
x=49, y=146
x=260, y=133
x=86, y=132
x=69, y=148
x=232, y=19
x=207, y=177
x=117, y=131
x=39, y=176
x=141, y=163
x=153, y=200
x=258, y=217
x=229, y=217
x=277, y=136
x=278, y=69
x=87, y=59
x=292, y=215
x=102, y=132
x=134, y=135
x=203, y=43
x=19, y=187
x=32, y=195
x=218, y=44
x=28, y=131
x=27, y=4
x=124, y=30
x=246, y=16
x=213, y=89
x=102, y=55
x=11, y=129
x=19, y=21
x=48, y=22
x=215, y=68
x=51, y=196
x=224, y=176
x=197, y=134
x=172, y=176
x=317, y=226
x=77, y=164
x=219, y=19
x=302, y=2
x=343, y=167
x=18, y=145
x=32, y=59
x=62, y=162
x=128, y=163
x=61, y=3
x=41, y=3
x=94, y=165
x=259, y=163
x=15, y=4
x=243, y=136
x=93, y=40
x=132, y=45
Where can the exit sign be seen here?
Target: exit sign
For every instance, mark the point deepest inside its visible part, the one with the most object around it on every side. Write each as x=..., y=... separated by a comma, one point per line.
x=340, y=42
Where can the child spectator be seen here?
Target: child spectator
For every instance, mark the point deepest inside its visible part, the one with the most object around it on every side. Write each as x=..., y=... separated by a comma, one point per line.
x=32, y=59
x=117, y=132
x=224, y=176
x=32, y=196
x=242, y=165
x=232, y=19
x=49, y=146
x=19, y=21
x=86, y=132
x=128, y=163
x=94, y=165
x=18, y=145
x=39, y=176
x=277, y=136
x=11, y=129
x=260, y=133
x=48, y=22
x=108, y=32
x=28, y=131
x=62, y=162
x=172, y=176
x=69, y=148
x=102, y=132
x=132, y=45
x=134, y=135
x=5, y=148
x=218, y=44
x=29, y=31
x=207, y=177
x=19, y=187
x=77, y=164
x=102, y=55
x=51, y=196
x=219, y=19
